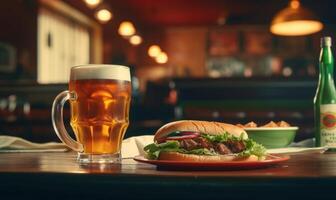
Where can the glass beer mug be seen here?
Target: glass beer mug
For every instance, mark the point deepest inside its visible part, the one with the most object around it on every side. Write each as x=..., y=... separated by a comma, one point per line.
x=99, y=98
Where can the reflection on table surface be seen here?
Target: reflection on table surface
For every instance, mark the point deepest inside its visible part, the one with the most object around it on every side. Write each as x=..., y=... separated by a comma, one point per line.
x=299, y=166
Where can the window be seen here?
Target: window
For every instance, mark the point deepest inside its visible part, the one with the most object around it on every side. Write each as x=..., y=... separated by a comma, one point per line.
x=66, y=38
x=62, y=43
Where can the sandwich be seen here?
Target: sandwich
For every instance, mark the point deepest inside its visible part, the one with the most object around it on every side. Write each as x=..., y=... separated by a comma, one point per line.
x=203, y=141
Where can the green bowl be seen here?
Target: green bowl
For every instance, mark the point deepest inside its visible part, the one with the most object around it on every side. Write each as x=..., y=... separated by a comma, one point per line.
x=277, y=137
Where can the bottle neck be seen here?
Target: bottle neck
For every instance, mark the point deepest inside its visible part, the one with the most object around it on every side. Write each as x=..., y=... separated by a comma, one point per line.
x=326, y=62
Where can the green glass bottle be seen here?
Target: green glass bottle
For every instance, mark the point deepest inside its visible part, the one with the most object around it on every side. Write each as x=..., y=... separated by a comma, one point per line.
x=325, y=98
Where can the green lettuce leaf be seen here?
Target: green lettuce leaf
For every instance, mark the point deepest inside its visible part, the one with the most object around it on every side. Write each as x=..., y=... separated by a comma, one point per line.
x=153, y=150
x=216, y=138
x=252, y=148
x=222, y=138
x=202, y=151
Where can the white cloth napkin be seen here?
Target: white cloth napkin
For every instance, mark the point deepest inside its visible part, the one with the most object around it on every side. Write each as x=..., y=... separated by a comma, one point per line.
x=16, y=144
x=297, y=150
x=131, y=147
x=304, y=146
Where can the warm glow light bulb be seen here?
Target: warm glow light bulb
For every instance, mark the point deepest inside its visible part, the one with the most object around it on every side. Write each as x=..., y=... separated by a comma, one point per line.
x=135, y=40
x=154, y=50
x=294, y=4
x=126, y=28
x=92, y=3
x=295, y=21
x=297, y=27
x=162, y=58
x=104, y=15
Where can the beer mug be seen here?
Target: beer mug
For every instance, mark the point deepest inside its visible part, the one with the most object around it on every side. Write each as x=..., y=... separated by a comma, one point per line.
x=99, y=97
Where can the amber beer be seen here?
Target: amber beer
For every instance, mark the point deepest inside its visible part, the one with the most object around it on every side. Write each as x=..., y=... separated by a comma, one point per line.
x=99, y=113
x=99, y=98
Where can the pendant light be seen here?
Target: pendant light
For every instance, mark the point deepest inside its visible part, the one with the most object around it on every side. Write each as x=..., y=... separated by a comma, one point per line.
x=104, y=15
x=126, y=29
x=92, y=3
x=162, y=58
x=154, y=51
x=295, y=21
x=135, y=40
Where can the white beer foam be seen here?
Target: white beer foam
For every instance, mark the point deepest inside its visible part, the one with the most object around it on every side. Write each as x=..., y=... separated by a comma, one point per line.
x=116, y=72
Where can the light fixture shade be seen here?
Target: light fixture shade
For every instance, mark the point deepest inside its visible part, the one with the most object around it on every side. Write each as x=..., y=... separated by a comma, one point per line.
x=92, y=3
x=104, y=15
x=295, y=21
x=162, y=58
x=126, y=29
x=135, y=40
x=154, y=51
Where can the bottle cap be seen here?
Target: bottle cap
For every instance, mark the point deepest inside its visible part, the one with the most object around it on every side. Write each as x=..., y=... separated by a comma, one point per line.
x=326, y=42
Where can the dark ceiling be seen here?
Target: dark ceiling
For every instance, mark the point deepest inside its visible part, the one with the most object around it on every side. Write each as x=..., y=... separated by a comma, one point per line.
x=206, y=12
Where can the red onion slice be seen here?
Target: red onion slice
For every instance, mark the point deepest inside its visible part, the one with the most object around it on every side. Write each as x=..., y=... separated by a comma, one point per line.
x=190, y=133
x=182, y=137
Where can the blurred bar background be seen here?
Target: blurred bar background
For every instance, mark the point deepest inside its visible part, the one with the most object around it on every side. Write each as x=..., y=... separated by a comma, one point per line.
x=190, y=59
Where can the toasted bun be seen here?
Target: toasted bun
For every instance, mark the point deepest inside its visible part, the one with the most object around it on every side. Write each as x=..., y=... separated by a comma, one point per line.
x=206, y=127
x=203, y=158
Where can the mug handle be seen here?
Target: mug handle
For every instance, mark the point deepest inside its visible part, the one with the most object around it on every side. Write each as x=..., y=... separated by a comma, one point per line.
x=57, y=121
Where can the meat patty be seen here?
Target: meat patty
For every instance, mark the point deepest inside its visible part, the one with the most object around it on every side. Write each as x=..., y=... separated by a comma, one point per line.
x=222, y=149
x=203, y=143
x=189, y=144
x=236, y=146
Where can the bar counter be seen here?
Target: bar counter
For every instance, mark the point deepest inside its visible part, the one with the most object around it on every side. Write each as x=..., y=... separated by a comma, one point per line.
x=58, y=176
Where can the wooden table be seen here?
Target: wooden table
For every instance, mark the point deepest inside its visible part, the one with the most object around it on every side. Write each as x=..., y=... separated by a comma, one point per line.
x=58, y=176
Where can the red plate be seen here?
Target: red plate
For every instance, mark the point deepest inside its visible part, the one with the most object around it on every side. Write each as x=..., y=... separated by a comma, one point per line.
x=226, y=165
